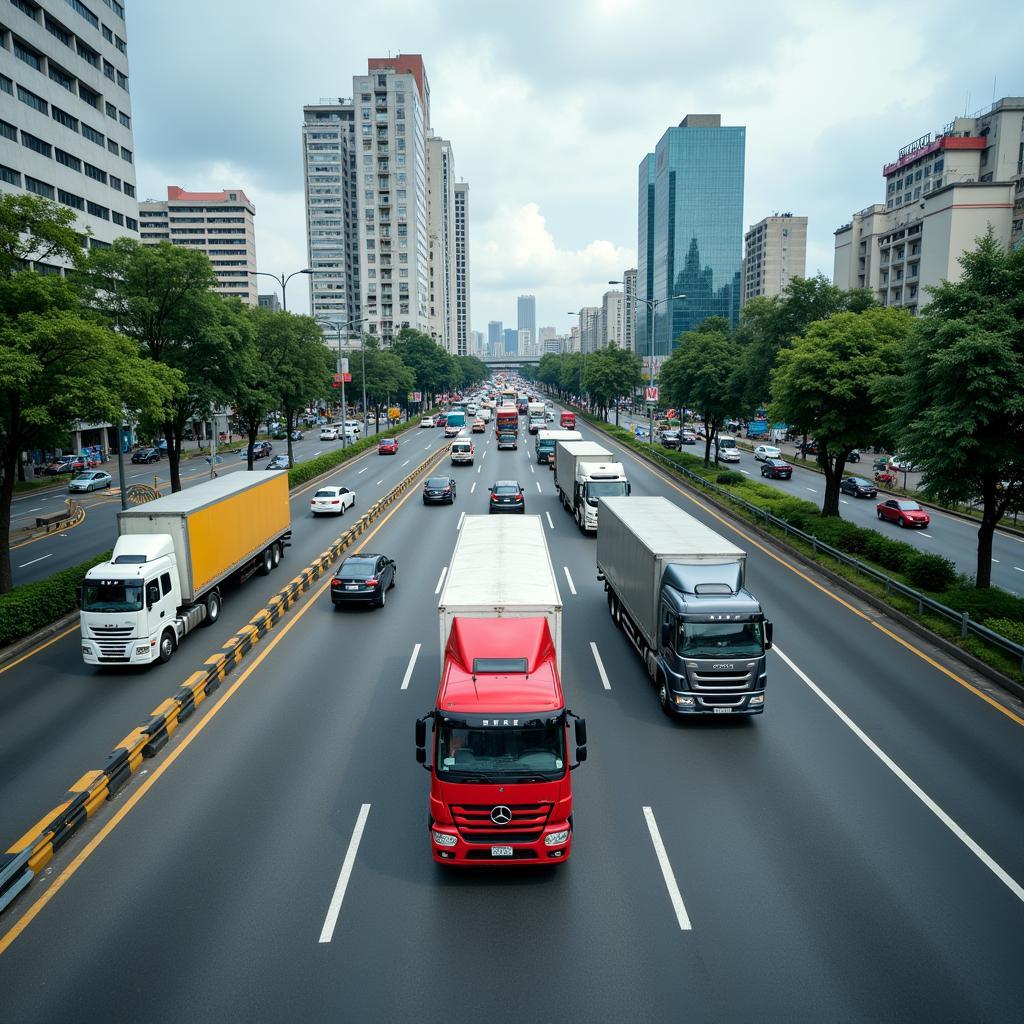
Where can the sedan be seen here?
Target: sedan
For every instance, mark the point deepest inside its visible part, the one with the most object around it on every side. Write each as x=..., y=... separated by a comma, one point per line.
x=903, y=513
x=858, y=487
x=508, y=439
x=506, y=496
x=427, y=421
x=479, y=426
x=767, y=451
x=687, y=437
x=439, y=490
x=670, y=438
x=776, y=469
x=363, y=578
x=328, y=433
x=146, y=455
x=332, y=501
x=90, y=480
x=279, y=462
x=904, y=463
x=260, y=450
x=387, y=446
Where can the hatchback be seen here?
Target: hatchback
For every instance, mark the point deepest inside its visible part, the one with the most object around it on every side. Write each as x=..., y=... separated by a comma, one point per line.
x=776, y=469
x=439, y=490
x=903, y=513
x=387, y=446
x=858, y=487
x=90, y=480
x=363, y=578
x=332, y=501
x=506, y=496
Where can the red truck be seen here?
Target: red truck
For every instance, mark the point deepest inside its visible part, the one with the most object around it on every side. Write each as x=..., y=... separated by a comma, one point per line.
x=567, y=421
x=500, y=783
x=506, y=418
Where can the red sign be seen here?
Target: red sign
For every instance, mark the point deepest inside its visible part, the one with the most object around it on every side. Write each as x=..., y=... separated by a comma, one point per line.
x=417, y=396
x=651, y=394
x=337, y=378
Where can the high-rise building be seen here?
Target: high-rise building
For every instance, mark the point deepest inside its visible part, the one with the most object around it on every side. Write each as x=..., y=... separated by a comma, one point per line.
x=462, y=318
x=575, y=340
x=612, y=319
x=526, y=342
x=526, y=316
x=511, y=341
x=629, y=310
x=691, y=227
x=219, y=224
x=774, y=251
x=645, y=258
x=942, y=192
x=66, y=125
x=441, y=235
x=479, y=344
x=495, y=338
x=590, y=328
x=270, y=301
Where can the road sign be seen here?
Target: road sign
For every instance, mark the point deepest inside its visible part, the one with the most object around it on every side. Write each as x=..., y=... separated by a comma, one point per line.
x=417, y=396
x=651, y=395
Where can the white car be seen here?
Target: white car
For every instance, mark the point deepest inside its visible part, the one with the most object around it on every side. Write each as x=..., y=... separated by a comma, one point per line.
x=353, y=427
x=332, y=501
x=728, y=454
x=90, y=480
x=329, y=434
x=427, y=421
x=767, y=451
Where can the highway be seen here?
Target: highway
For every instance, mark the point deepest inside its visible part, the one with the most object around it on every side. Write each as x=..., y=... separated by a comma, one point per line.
x=856, y=853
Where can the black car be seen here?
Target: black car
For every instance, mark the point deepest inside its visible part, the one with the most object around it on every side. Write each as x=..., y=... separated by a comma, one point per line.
x=671, y=438
x=260, y=450
x=439, y=490
x=279, y=462
x=507, y=439
x=506, y=496
x=776, y=469
x=858, y=487
x=363, y=578
x=146, y=455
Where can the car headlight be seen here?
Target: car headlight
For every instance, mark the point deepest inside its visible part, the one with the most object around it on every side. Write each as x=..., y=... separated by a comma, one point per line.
x=444, y=839
x=556, y=838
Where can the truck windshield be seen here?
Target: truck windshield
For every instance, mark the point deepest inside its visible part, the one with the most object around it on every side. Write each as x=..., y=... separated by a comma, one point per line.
x=481, y=754
x=605, y=489
x=719, y=639
x=112, y=596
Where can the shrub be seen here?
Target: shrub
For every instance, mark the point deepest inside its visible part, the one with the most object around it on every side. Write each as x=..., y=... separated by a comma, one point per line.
x=730, y=478
x=887, y=553
x=840, y=534
x=797, y=512
x=930, y=572
x=1012, y=629
x=983, y=605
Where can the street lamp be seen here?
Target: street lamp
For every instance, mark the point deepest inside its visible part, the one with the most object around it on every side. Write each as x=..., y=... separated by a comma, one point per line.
x=339, y=328
x=282, y=281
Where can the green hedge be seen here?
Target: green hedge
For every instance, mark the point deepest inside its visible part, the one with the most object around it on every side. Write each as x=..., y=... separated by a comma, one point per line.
x=32, y=606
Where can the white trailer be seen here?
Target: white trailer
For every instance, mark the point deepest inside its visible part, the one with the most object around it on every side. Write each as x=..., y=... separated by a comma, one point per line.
x=585, y=473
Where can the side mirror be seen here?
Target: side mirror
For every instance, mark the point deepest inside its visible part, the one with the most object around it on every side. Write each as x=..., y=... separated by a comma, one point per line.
x=629, y=488
x=581, y=755
x=421, y=732
x=581, y=732
x=769, y=631
x=421, y=755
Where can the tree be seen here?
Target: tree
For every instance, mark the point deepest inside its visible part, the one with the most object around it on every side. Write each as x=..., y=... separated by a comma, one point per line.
x=832, y=381
x=34, y=230
x=432, y=367
x=159, y=296
x=304, y=366
x=960, y=393
x=549, y=371
x=699, y=375
x=572, y=374
x=609, y=373
x=387, y=377
x=474, y=370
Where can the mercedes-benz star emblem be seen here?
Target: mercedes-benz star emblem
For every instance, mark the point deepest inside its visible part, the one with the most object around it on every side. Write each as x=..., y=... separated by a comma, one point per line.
x=501, y=815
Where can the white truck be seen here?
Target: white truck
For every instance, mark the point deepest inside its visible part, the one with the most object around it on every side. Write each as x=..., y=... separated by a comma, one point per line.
x=544, y=446
x=172, y=557
x=535, y=417
x=678, y=591
x=501, y=568
x=585, y=473
x=462, y=451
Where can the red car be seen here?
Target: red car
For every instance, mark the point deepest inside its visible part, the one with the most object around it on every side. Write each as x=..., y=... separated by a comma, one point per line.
x=387, y=446
x=776, y=469
x=479, y=426
x=441, y=420
x=903, y=513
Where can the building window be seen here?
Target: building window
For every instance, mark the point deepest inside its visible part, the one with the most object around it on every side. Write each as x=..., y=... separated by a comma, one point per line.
x=32, y=100
x=7, y=84
x=11, y=176
x=28, y=55
x=40, y=188
x=92, y=135
x=89, y=55
x=37, y=145
x=57, y=30
x=132, y=223
x=62, y=78
x=70, y=199
x=95, y=173
x=88, y=96
x=8, y=131
x=112, y=146
x=129, y=189
x=126, y=154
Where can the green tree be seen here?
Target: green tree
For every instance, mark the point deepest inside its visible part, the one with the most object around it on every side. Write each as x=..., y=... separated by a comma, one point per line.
x=609, y=373
x=35, y=230
x=572, y=374
x=831, y=382
x=549, y=371
x=304, y=366
x=388, y=379
x=959, y=395
x=474, y=371
x=432, y=367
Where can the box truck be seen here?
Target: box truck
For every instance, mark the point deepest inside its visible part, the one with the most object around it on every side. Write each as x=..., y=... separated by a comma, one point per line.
x=544, y=446
x=500, y=784
x=678, y=590
x=585, y=473
x=170, y=560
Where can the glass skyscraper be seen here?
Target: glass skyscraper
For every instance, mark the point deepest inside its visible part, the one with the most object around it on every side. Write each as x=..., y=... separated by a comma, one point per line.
x=690, y=229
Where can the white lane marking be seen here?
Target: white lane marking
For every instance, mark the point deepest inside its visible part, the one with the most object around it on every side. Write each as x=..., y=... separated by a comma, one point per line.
x=1000, y=873
x=315, y=454
x=34, y=560
x=410, y=667
x=811, y=489
x=462, y=515
x=666, y=872
x=440, y=582
x=378, y=483
x=843, y=501
x=473, y=488
x=928, y=535
x=745, y=472
x=37, y=509
x=572, y=586
x=327, y=932
x=531, y=467
x=478, y=468
x=600, y=666
x=484, y=456
x=404, y=464
x=537, y=482
x=1018, y=568
x=550, y=520
x=996, y=560
x=363, y=470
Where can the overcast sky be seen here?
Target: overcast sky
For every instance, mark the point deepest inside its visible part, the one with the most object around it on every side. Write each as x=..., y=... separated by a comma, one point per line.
x=551, y=105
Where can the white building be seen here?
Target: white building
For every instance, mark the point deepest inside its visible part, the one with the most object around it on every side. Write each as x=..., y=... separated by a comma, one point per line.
x=462, y=316
x=613, y=326
x=774, y=252
x=941, y=194
x=219, y=224
x=629, y=310
x=66, y=113
x=441, y=240
x=590, y=328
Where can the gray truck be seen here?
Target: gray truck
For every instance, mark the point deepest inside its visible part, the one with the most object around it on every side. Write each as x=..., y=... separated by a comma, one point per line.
x=678, y=591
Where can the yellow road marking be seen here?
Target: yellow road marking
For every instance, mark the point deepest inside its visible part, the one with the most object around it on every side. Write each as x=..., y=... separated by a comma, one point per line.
x=65, y=876
x=52, y=534
x=1013, y=716
x=35, y=650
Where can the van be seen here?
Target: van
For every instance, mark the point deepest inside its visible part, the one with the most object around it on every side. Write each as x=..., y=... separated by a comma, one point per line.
x=726, y=449
x=462, y=452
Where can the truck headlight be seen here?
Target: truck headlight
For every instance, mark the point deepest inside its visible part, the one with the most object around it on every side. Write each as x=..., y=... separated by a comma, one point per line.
x=682, y=700
x=144, y=649
x=444, y=839
x=758, y=698
x=556, y=838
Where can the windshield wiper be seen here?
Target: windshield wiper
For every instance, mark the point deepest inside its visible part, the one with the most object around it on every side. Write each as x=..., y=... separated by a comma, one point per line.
x=470, y=778
x=532, y=778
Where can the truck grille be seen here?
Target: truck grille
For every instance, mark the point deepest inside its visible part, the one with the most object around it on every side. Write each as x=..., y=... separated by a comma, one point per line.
x=741, y=677
x=114, y=642
x=476, y=826
x=722, y=701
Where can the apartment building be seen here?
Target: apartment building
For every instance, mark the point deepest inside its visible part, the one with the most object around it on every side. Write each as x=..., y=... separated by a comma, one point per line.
x=461, y=273
x=774, y=251
x=613, y=308
x=526, y=319
x=590, y=328
x=943, y=191
x=219, y=224
x=441, y=235
x=66, y=111
x=629, y=309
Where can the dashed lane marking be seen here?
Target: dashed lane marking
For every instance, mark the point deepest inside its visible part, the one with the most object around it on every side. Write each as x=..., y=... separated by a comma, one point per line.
x=327, y=932
x=440, y=581
x=600, y=666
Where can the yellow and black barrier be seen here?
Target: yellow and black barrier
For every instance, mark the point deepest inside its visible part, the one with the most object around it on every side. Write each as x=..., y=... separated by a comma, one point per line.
x=25, y=858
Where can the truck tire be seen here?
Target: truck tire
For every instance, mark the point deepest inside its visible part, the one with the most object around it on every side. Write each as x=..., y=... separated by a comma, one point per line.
x=266, y=562
x=277, y=552
x=613, y=608
x=663, y=696
x=213, y=606
x=168, y=645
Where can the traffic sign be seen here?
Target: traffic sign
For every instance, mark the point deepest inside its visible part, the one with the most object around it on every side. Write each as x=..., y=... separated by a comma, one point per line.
x=417, y=396
x=651, y=395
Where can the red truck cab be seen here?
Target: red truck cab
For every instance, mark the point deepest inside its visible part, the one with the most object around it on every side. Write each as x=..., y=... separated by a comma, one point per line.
x=500, y=784
x=567, y=421
x=506, y=418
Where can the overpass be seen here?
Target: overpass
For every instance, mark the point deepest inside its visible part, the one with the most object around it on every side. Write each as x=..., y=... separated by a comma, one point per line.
x=510, y=361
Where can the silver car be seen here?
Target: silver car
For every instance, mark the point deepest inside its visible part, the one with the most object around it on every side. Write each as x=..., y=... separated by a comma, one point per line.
x=90, y=480
x=767, y=451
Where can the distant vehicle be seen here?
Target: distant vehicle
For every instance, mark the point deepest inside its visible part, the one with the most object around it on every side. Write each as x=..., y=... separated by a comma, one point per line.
x=387, y=446
x=903, y=513
x=279, y=434
x=279, y=462
x=903, y=463
x=669, y=438
x=687, y=437
x=767, y=451
x=567, y=420
x=90, y=480
x=439, y=490
x=440, y=420
x=146, y=455
x=508, y=439
x=353, y=427
x=854, y=456
x=363, y=578
x=479, y=426
x=332, y=501
x=584, y=474
x=454, y=422
x=726, y=449
x=329, y=433
x=776, y=469
x=260, y=450
x=544, y=446
x=506, y=496
x=427, y=421
x=296, y=435
x=810, y=448
x=858, y=487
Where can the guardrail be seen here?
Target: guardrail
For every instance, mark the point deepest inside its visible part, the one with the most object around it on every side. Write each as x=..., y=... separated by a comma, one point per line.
x=36, y=848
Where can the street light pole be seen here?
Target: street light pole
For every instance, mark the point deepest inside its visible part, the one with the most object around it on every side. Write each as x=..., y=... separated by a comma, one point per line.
x=282, y=281
x=344, y=415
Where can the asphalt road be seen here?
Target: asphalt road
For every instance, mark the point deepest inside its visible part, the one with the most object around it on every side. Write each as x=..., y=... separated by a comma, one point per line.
x=818, y=883
x=37, y=559
x=947, y=535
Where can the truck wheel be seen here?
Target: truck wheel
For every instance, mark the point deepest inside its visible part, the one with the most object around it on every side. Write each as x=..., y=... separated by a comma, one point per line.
x=167, y=646
x=613, y=608
x=267, y=562
x=213, y=606
x=663, y=696
x=277, y=555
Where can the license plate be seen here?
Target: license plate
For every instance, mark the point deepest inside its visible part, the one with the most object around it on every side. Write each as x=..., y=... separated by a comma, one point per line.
x=355, y=586
x=501, y=851
x=723, y=711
